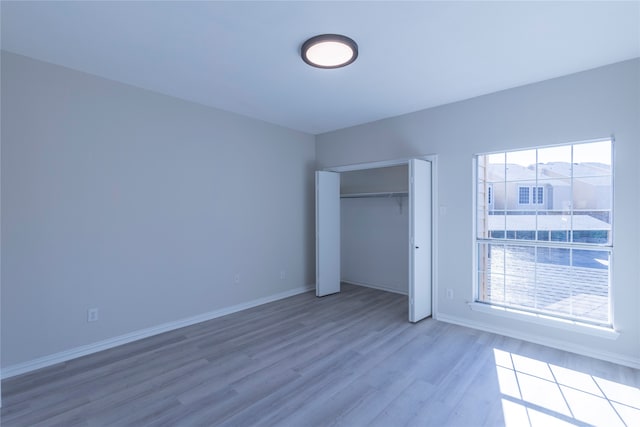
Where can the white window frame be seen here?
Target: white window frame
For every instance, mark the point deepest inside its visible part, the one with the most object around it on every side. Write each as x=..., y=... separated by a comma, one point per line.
x=546, y=319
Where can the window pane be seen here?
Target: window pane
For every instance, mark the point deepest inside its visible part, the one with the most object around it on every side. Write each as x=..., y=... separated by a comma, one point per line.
x=495, y=167
x=520, y=291
x=592, y=159
x=550, y=256
x=556, y=195
x=554, y=280
x=548, y=157
x=592, y=210
x=555, y=170
x=520, y=227
x=570, y=282
x=592, y=193
x=491, y=173
x=498, y=192
x=494, y=287
x=520, y=260
x=591, y=284
x=491, y=272
x=521, y=165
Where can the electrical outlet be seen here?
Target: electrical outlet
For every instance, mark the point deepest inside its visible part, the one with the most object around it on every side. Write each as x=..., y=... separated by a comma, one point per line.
x=236, y=279
x=92, y=315
x=449, y=293
x=283, y=274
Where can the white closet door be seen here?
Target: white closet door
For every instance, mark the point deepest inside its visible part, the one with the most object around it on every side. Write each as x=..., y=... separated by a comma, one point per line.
x=419, y=239
x=327, y=233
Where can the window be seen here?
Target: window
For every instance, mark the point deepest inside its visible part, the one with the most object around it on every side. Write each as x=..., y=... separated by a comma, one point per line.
x=545, y=245
x=538, y=195
x=523, y=195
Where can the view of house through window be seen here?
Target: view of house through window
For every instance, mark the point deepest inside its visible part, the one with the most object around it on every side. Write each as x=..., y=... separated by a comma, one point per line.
x=543, y=223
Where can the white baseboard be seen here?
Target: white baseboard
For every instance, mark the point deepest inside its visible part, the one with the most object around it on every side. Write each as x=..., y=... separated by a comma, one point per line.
x=632, y=362
x=63, y=356
x=379, y=287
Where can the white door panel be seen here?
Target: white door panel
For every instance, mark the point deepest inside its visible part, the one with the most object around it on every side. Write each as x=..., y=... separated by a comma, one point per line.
x=327, y=233
x=419, y=239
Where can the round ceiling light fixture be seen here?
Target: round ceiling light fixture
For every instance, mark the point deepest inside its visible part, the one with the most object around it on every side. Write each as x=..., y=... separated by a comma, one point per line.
x=329, y=51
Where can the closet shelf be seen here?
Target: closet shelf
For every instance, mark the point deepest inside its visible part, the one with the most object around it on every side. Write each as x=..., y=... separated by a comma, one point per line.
x=382, y=194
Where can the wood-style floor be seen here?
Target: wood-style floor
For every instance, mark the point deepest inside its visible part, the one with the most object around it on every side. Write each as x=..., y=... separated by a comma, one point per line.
x=350, y=359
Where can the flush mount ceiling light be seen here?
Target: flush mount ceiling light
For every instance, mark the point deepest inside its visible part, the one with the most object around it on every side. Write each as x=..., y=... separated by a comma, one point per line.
x=329, y=51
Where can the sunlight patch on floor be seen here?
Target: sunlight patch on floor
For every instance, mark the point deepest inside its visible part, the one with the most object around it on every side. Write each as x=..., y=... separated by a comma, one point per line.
x=537, y=393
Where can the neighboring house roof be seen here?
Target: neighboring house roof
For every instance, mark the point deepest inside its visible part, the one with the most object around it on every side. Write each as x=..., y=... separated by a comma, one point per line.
x=555, y=173
x=546, y=222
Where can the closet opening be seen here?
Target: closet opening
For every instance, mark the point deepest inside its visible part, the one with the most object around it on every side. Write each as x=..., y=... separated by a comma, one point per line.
x=374, y=229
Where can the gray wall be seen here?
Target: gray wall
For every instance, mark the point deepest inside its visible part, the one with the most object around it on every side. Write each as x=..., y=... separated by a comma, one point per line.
x=578, y=107
x=147, y=207
x=375, y=180
x=374, y=239
x=142, y=205
x=374, y=232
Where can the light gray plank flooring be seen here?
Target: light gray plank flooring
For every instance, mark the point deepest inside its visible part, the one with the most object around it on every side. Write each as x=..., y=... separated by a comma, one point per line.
x=350, y=359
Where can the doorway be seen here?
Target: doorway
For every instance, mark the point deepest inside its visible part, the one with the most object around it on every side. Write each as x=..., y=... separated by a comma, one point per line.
x=375, y=180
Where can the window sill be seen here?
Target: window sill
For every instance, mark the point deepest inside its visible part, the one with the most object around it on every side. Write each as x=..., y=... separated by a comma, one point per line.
x=540, y=319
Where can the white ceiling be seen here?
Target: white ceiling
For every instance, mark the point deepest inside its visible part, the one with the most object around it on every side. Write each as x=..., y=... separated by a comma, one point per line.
x=244, y=56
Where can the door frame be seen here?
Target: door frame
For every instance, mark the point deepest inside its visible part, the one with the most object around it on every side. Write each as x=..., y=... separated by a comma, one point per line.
x=435, y=210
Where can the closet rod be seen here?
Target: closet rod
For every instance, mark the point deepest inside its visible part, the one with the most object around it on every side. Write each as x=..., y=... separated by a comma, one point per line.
x=383, y=194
